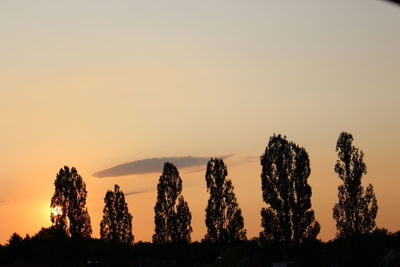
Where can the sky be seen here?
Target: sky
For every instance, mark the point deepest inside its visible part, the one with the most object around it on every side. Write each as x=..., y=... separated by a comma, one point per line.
x=96, y=84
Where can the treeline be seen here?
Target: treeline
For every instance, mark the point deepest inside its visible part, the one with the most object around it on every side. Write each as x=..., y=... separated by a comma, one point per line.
x=52, y=247
x=287, y=219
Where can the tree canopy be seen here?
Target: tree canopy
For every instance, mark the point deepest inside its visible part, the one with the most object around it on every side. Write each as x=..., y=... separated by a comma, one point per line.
x=14, y=240
x=224, y=218
x=285, y=170
x=68, y=204
x=172, y=216
x=357, y=208
x=116, y=225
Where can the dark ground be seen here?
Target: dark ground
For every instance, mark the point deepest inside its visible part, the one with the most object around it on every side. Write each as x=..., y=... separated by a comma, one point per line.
x=49, y=248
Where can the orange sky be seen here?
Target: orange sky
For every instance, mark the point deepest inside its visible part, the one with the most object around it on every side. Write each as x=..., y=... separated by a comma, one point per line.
x=95, y=85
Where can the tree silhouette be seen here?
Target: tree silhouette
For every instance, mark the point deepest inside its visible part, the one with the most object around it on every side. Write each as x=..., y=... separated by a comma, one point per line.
x=116, y=225
x=356, y=210
x=69, y=202
x=224, y=218
x=15, y=240
x=285, y=170
x=183, y=219
x=172, y=220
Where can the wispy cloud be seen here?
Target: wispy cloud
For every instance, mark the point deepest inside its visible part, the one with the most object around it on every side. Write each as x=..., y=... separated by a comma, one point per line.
x=152, y=165
x=139, y=192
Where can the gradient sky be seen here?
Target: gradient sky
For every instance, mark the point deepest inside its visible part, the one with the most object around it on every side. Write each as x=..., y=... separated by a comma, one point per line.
x=94, y=84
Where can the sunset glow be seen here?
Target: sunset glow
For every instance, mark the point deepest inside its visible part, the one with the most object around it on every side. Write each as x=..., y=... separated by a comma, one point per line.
x=56, y=211
x=115, y=88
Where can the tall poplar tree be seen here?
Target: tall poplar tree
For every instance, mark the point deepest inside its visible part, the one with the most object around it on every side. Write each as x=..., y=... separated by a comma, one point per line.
x=288, y=217
x=224, y=218
x=183, y=219
x=116, y=225
x=357, y=208
x=68, y=204
x=172, y=216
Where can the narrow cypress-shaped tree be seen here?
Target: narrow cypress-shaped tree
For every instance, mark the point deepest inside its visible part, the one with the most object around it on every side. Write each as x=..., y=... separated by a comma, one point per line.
x=224, y=218
x=285, y=170
x=116, y=225
x=172, y=218
x=68, y=204
x=183, y=219
x=357, y=208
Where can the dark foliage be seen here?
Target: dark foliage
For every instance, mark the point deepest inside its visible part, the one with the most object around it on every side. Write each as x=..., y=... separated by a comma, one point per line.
x=183, y=219
x=224, y=218
x=116, y=225
x=70, y=196
x=357, y=208
x=15, y=240
x=285, y=170
x=172, y=216
x=52, y=247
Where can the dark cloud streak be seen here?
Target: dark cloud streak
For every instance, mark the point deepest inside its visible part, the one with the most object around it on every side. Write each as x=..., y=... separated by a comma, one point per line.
x=139, y=192
x=152, y=165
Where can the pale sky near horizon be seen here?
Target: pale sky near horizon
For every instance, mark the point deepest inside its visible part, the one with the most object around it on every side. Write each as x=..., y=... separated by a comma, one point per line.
x=93, y=84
